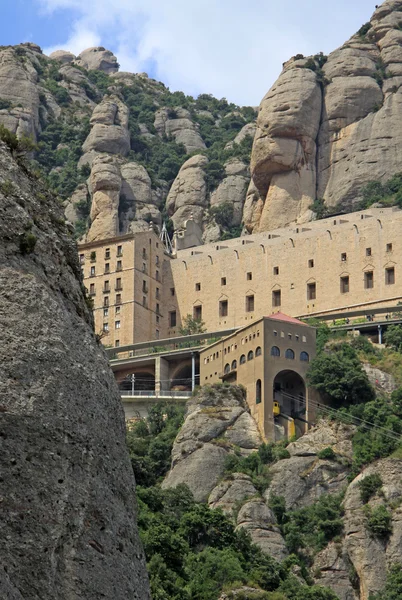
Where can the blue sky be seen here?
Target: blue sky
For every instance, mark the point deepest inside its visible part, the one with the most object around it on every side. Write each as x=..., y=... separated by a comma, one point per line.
x=229, y=48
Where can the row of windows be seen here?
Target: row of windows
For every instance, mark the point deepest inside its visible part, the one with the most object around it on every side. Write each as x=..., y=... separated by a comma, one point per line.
x=106, y=311
x=106, y=287
x=249, y=275
x=118, y=300
x=106, y=326
x=145, y=255
x=242, y=361
x=92, y=256
x=289, y=353
x=119, y=267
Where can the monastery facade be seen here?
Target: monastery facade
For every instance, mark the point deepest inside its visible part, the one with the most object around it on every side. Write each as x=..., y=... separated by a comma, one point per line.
x=141, y=293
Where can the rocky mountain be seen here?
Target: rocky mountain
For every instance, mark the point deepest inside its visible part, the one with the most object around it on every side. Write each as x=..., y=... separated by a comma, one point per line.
x=328, y=126
x=67, y=503
x=117, y=146
x=311, y=480
x=122, y=150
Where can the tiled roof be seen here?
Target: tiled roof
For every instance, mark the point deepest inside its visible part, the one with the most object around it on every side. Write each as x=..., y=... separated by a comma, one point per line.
x=281, y=317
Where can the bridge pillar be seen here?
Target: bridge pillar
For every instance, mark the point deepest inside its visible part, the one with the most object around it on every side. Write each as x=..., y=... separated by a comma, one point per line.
x=161, y=374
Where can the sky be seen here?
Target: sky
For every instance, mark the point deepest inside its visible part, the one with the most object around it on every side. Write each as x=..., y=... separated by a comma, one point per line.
x=228, y=48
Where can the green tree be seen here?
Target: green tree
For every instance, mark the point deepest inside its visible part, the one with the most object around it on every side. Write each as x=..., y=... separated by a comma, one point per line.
x=192, y=326
x=379, y=520
x=369, y=486
x=339, y=375
x=393, y=337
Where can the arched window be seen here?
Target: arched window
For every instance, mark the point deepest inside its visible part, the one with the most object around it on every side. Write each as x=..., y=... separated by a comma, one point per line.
x=242, y=359
x=304, y=356
x=275, y=351
x=258, y=351
x=289, y=354
x=226, y=370
x=234, y=365
x=250, y=355
x=258, y=391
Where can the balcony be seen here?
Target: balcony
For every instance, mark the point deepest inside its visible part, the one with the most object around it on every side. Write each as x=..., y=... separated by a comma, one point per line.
x=106, y=290
x=118, y=288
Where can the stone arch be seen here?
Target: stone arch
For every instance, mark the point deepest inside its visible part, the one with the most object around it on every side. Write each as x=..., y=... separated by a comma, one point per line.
x=289, y=390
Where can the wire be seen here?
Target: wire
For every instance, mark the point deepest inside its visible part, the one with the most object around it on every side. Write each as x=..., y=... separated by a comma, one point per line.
x=362, y=423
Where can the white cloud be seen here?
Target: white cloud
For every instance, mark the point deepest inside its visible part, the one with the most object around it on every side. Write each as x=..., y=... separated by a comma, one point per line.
x=224, y=47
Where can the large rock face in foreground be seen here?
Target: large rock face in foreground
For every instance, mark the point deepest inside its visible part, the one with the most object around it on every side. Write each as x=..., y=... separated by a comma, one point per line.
x=67, y=525
x=324, y=133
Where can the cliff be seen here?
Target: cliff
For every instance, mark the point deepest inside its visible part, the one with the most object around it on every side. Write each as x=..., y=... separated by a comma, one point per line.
x=68, y=509
x=328, y=126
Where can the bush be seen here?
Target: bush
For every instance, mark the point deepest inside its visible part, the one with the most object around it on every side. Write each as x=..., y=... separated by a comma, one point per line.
x=393, y=337
x=222, y=213
x=369, y=486
x=340, y=377
x=393, y=586
x=364, y=29
x=27, y=242
x=327, y=454
x=378, y=521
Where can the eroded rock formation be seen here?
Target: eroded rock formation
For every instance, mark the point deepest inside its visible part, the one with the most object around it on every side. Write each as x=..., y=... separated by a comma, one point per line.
x=68, y=516
x=323, y=130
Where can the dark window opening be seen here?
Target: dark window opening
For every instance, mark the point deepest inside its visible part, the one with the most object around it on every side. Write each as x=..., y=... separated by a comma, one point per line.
x=289, y=354
x=275, y=351
x=276, y=298
x=311, y=291
x=369, y=280
x=250, y=303
x=390, y=276
x=223, y=308
x=344, y=284
x=258, y=391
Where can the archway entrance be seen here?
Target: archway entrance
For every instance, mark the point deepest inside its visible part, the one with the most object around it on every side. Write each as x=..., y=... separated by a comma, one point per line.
x=181, y=379
x=289, y=390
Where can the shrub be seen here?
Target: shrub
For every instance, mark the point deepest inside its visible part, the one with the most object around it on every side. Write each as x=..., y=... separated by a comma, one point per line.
x=4, y=104
x=364, y=29
x=191, y=326
x=222, y=213
x=378, y=520
x=27, y=242
x=340, y=377
x=369, y=486
x=326, y=454
x=393, y=586
x=393, y=337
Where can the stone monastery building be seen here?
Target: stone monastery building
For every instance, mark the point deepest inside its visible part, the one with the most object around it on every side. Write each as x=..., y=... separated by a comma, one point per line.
x=141, y=292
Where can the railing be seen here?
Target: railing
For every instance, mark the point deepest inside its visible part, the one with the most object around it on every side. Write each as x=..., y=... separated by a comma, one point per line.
x=154, y=394
x=166, y=345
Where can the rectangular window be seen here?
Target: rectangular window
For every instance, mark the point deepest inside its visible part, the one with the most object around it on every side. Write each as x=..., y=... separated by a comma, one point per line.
x=117, y=343
x=157, y=260
x=144, y=286
x=144, y=301
x=368, y=251
x=223, y=308
x=311, y=263
x=250, y=303
x=157, y=275
x=117, y=310
x=344, y=284
x=107, y=267
x=197, y=287
x=276, y=270
x=106, y=301
x=92, y=289
x=144, y=268
x=390, y=276
x=107, y=253
x=157, y=294
x=119, y=250
x=117, y=325
x=118, y=299
x=157, y=334
x=157, y=318
x=105, y=312
x=311, y=291
x=197, y=313
x=82, y=259
x=106, y=286
x=249, y=276
x=105, y=327
x=157, y=309
x=118, y=283
x=276, y=298
x=92, y=272
x=144, y=253
x=344, y=256
x=223, y=280
x=369, y=280
x=172, y=318
x=119, y=265
x=172, y=291
x=93, y=256
x=389, y=247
